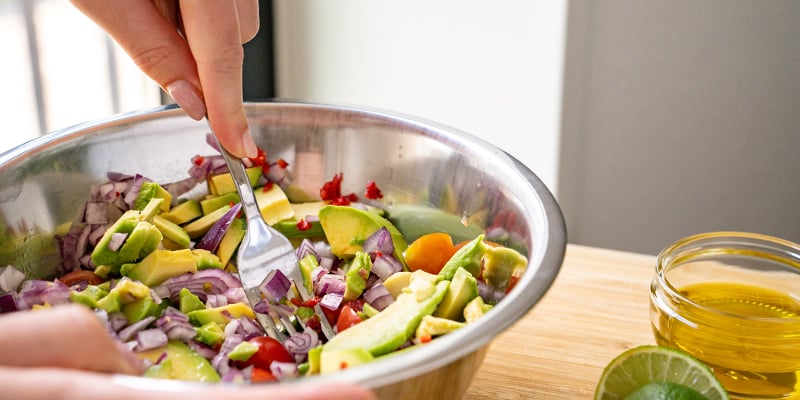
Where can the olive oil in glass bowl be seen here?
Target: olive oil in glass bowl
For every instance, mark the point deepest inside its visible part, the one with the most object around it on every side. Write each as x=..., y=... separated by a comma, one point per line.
x=732, y=300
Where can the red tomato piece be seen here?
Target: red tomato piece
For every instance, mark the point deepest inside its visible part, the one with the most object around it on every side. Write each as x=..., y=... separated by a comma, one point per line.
x=347, y=318
x=269, y=350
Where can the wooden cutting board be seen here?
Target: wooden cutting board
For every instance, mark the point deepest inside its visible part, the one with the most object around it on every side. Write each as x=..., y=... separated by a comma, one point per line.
x=597, y=307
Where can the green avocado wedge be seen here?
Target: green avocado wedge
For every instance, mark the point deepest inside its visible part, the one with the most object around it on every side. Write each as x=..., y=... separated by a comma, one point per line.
x=389, y=329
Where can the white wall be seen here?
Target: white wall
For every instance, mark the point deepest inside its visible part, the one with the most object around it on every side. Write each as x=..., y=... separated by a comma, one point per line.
x=680, y=117
x=492, y=69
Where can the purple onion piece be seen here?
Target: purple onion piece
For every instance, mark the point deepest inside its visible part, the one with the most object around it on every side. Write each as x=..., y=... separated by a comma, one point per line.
x=385, y=265
x=214, y=235
x=200, y=283
x=127, y=333
x=379, y=242
x=283, y=370
x=275, y=285
x=300, y=343
x=489, y=294
x=117, y=321
x=38, y=292
x=9, y=302
x=330, y=283
x=331, y=301
x=305, y=248
x=149, y=339
x=378, y=296
x=202, y=349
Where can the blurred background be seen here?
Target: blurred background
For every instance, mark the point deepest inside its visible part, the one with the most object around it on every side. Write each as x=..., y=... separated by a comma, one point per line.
x=649, y=119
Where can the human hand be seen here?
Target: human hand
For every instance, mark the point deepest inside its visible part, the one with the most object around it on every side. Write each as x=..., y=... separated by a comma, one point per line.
x=193, y=50
x=66, y=353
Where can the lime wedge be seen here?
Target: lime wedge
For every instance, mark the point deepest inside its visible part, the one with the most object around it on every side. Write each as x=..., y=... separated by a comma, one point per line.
x=672, y=370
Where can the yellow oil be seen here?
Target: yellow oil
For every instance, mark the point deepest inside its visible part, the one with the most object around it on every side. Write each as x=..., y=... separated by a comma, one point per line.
x=754, y=357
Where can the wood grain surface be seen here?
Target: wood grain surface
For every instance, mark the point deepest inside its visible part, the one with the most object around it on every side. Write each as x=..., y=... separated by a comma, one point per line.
x=597, y=307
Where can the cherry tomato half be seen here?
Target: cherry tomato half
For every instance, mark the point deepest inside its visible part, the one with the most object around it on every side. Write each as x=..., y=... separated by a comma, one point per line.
x=429, y=252
x=347, y=318
x=269, y=350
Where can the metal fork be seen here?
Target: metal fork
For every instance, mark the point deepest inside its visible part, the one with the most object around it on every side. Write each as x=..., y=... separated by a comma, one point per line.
x=264, y=249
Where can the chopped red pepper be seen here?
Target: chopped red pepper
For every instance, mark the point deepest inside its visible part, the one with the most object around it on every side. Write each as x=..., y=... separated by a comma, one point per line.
x=282, y=163
x=260, y=159
x=267, y=187
x=265, y=168
x=314, y=323
x=303, y=225
x=308, y=303
x=425, y=338
x=332, y=189
x=198, y=160
x=372, y=191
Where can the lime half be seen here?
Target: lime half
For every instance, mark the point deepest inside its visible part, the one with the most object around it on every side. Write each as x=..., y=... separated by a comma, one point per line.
x=645, y=365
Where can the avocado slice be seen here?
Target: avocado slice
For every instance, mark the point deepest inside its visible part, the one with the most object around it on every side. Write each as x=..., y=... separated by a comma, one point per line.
x=172, y=231
x=210, y=334
x=434, y=326
x=214, y=202
x=415, y=221
x=273, y=204
x=188, y=301
x=184, y=212
x=149, y=191
x=463, y=288
x=469, y=257
x=475, y=309
x=393, y=326
x=220, y=315
x=161, y=265
x=206, y=259
x=223, y=183
x=346, y=228
x=141, y=237
x=355, y=278
x=337, y=360
x=230, y=241
x=397, y=282
x=500, y=264
x=183, y=363
x=200, y=226
x=140, y=308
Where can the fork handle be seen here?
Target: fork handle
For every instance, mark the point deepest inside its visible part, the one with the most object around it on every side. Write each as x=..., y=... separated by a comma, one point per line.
x=239, y=175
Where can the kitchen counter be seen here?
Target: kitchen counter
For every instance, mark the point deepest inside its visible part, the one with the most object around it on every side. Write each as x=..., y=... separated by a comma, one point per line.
x=597, y=308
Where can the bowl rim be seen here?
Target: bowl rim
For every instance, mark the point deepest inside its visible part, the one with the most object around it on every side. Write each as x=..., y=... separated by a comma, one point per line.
x=550, y=249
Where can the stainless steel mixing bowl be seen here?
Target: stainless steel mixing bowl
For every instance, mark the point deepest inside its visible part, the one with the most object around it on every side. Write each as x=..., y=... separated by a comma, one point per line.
x=415, y=163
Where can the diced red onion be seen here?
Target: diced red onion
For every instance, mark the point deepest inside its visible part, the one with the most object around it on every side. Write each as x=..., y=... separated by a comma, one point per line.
x=327, y=262
x=175, y=325
x=96, y=234
x=278, y=175
x=275, y=285
x=149, y=339
x=178, y=188
x=133, y=192
x=9, y=302
x=249, y=328
x=380, y=241
x=283, y=370
x=116, y=240
x=323, y=249
x=385, y=265
x=312, y=218
x=40, y=292
x=221, y=360
x=216, y=300
x=331, y=301
x=118, y=176
x=489, y=294
x=330, y=283
x=300, y=343
x=131, y=330
x=202, y=349
x=214, y=235
x=212, y=141
x=378, y=296
x=305, y=248
x=10, y=278
x=201, y=283
x=237, y=376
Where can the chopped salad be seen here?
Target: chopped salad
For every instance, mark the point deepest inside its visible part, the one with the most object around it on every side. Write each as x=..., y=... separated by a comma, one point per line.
x=157, y=264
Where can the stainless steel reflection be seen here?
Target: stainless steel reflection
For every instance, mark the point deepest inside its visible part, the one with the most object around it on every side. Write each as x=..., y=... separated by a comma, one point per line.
x=415, y=163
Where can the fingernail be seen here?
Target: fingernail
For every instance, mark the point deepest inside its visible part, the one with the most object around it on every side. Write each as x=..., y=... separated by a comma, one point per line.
x=248, y=145
x=188, y=97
